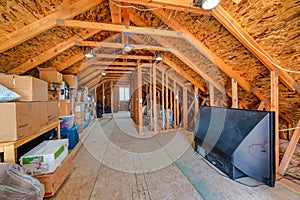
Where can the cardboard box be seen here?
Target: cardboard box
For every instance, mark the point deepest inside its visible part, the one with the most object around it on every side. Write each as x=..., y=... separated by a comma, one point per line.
x=52, y=111
x=29, y=88
x=54, y=180
x=14, y=121
x=65, y=107
x=71, y=80
x=43, y=113
x=50, y=76
x=53, y=96
x=34, y=110
x=45, y=157
x=79, y=107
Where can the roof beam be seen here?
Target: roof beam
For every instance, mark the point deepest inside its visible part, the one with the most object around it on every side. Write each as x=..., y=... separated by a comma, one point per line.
x=70, y=61
x=117, y=28
x=218, y=61
x=50, y=53
x=18, y=36
x=240, y=34
x=180, y=5
x=185, y=74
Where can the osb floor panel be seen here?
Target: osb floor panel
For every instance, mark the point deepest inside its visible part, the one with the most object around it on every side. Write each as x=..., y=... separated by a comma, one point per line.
x=112, y=164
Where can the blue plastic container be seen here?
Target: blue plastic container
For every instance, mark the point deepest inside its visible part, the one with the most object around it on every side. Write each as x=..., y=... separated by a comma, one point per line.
x=71, y=134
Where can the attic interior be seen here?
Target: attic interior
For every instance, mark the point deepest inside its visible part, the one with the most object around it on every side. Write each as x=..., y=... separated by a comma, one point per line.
x=145, y=68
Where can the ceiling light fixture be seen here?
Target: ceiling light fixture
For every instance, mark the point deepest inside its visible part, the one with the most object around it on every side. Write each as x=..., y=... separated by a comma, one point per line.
x=90, y=53
x=127, y=47
x=207, y=4
x=158, y=56
x=103, y=73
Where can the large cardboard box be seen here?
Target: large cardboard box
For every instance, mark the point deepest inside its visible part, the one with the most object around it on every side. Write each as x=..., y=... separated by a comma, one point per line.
x=52, y=111
x=71, y=80
x=54, y=180
x=65, y=107
x=14, y=121
x=50, y=76
x=29, y=88
x=43, y=113
x=45, y=157
x=34, y=110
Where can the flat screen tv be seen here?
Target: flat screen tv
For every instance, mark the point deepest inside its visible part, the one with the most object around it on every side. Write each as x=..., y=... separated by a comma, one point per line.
x=238, y=142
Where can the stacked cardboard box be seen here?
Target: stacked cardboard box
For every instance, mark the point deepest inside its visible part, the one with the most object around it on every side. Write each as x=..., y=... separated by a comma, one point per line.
x=28, y=113
x=79, y=115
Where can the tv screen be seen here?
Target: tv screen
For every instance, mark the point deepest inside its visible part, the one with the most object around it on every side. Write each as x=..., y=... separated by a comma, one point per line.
x=239, y=142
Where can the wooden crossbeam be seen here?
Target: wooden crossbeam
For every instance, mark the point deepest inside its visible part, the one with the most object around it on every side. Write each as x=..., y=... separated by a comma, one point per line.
x=238, y=32
x=50, y=53
x=180, y=5
x=68, y=11
x=117, y=28
x=121, y=56
x=120, y=45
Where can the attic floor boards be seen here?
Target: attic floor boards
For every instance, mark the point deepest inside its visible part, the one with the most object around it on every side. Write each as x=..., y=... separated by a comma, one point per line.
x=163, y=166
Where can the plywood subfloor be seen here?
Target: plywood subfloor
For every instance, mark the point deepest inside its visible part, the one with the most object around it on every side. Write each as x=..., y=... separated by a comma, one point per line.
x=114, y=164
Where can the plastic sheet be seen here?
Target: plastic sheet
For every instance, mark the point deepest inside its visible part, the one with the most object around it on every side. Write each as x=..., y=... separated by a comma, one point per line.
x=15, y=184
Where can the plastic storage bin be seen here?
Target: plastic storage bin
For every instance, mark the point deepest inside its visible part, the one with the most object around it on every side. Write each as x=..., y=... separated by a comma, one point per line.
x=71, y=134
x=67, y=122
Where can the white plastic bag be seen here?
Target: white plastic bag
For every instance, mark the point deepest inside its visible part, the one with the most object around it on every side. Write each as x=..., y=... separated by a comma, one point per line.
x=7, y=95
x=16, y=184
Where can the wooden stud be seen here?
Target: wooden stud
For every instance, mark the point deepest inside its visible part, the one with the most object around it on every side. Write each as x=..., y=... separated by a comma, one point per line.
x=185, y=113
x=167, y=102
x=103, y=98
x=163, y=100
x=274, y=107
x=140, y=98
x=211, y=94
x=112, y=99
x=154, y=98
x=151, y=99
x=174, y=105
x=235, y=102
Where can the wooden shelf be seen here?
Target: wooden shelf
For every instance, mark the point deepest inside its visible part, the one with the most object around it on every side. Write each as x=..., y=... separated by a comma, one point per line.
x=9, y=148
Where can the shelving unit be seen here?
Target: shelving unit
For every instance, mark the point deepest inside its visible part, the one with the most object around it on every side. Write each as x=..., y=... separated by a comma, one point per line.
x=9, y=148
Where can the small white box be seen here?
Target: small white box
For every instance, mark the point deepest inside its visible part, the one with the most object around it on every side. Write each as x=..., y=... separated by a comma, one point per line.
x=45, y=157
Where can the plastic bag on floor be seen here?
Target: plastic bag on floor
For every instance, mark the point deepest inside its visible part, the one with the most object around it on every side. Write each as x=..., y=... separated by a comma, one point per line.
x=16, y=184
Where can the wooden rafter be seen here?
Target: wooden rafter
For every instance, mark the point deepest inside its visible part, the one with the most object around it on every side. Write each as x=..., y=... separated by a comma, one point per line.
x=115, y=13
x=185, y=74
x=238, y=32
x=70, y=61
x=218, y=61
x=50, y=53
x=16, y=37
x=117, y=28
